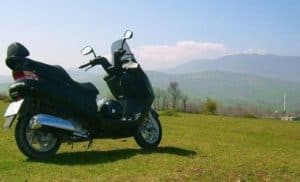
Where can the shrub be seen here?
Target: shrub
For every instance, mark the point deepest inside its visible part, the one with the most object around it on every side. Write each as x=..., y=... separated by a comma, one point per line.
x=4, y=97
x=170, y=112
x=209, y=107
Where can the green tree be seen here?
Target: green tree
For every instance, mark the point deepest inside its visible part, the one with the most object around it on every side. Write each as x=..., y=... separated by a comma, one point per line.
x=209, y=106
x=175, y=93
x=158, y=95
x=185, y=99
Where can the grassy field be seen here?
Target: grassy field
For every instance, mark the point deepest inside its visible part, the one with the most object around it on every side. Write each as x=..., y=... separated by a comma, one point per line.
x=193, y=148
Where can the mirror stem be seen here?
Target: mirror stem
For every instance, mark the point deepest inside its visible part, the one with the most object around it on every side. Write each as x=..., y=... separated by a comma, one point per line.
x=123, y=42
x=94, y=54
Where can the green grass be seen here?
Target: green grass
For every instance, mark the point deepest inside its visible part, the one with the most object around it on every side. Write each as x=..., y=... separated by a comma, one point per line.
x=194, y=147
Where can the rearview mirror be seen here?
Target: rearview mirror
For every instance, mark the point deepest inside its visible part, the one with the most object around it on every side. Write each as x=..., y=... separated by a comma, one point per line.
x=128, y=34
x=87, y=50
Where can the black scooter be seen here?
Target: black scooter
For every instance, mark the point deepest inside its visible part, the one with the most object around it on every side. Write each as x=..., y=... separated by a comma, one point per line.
x=52, y=108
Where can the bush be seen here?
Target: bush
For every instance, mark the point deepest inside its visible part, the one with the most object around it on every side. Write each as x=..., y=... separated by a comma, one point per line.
x=209, y=107
x=170, y=112
x=4, y=97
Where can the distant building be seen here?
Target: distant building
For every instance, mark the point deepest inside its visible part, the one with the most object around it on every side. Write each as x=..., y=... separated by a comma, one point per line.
x=289, y=118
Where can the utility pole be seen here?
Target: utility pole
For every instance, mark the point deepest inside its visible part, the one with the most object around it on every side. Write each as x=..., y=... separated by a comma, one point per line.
x=284, y=104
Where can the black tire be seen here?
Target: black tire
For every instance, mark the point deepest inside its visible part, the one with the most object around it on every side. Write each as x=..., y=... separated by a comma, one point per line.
x=23, y=145
x=142, y=142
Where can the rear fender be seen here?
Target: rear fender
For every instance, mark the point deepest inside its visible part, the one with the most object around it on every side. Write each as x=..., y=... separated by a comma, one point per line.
x=28, y=105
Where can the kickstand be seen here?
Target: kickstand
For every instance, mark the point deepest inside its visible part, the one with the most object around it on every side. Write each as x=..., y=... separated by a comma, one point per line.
x=72, y=145
x=90, y=144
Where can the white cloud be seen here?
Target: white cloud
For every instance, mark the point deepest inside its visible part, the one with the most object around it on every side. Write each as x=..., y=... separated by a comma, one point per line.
x=165, y=56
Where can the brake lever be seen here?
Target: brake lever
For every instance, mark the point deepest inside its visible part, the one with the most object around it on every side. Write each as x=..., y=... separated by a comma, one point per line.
x=86, y=69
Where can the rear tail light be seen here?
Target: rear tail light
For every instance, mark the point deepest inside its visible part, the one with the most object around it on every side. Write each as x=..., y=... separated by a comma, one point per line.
x=24, y=75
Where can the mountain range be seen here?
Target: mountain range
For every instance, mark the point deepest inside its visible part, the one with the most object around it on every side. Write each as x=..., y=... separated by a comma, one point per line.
x=272, y=66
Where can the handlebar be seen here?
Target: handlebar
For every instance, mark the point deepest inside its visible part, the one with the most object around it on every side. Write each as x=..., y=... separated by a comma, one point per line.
x=92, y=63
x=102, y=60
x=85, y=65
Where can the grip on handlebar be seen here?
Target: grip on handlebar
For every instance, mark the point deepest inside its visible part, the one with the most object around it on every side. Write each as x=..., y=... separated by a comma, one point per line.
x=85, y=65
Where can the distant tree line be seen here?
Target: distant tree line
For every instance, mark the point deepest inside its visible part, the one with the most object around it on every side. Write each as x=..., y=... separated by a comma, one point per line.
x=173, y=98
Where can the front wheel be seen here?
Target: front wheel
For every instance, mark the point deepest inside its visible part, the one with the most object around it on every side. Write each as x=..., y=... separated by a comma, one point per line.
x=35, y=144
x=149, y=133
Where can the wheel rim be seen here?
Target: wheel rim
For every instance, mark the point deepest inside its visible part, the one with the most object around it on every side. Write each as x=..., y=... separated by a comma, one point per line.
x=40, y=141
x=149, y=129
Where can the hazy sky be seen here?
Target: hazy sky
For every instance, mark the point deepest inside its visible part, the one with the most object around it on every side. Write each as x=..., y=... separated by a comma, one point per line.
x=165, y=33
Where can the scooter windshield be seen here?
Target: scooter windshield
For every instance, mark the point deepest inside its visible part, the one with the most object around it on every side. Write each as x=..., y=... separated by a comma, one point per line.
x=117, y=45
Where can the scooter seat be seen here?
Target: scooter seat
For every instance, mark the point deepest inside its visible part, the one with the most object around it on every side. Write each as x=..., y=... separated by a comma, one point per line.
x=88, y=87
x=85, y=87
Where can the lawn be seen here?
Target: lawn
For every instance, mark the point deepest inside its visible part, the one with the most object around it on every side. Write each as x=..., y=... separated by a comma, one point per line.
x=194, y=147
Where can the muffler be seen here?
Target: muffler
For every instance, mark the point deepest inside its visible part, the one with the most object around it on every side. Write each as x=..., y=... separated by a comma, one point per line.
x=40, y=120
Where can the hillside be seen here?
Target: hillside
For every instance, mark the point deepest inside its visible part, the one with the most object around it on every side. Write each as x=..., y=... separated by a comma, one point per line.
x=4, y=87
x=4, y=83
x=210, y=148
x=5, y=79
x=273, y=66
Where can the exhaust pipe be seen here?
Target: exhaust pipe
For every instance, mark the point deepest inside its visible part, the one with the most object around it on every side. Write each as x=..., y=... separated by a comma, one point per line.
x=40, y=120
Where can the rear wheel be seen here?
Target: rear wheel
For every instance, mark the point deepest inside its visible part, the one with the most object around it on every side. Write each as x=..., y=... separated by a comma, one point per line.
x=148, y=134
x=35, y=144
